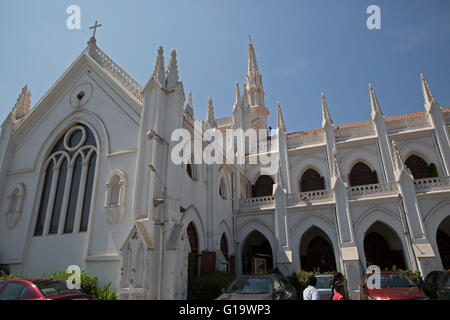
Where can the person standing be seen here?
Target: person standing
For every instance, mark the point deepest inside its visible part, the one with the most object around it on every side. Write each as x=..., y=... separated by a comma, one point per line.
x=337, y=279
x=339, y=291
x=311, y=293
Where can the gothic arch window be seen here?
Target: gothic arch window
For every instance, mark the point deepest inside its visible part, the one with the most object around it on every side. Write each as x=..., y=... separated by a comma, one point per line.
x=116, y=189
x=311, y=181
x=224, y=245
x=16, y=199
x=263, y=187
x=223, y=189
x=193, y=263
x=361, y=174
x=191, y=169
x=420, y=168
x=68, y=183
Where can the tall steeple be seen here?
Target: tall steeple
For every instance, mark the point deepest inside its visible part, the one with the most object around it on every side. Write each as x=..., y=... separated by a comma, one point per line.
x=210, y=119
x=189, y=108
x=430, y=101
x=253, y=81
x=159, y=72
x=374, y=104
x=326, y=117
x=22, y=106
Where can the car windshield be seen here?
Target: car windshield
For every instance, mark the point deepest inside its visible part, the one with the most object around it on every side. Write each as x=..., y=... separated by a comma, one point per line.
x=55, y=287
x=250, y=286
x=324, y=282
x=393, y=280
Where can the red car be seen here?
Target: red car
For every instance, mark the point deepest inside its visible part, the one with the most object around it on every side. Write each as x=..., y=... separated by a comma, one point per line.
x=40, y=289
x=394, y=285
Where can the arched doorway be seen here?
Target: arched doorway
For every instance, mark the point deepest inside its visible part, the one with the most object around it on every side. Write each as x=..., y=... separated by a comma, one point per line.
x=193, y=255
x=263, y=187
x=256, y=254
x=443, y=242
x=382, y=247
x=316, y=251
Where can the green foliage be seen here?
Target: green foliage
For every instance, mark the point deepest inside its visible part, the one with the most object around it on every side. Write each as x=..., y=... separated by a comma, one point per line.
x=105, y=293
x=88, y=282
x=208, y=286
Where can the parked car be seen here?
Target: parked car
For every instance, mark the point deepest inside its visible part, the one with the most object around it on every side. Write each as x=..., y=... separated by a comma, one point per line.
x=40, y=289
x=324, y=283
x=394, y=285
x=437, y=285
x=259, y=287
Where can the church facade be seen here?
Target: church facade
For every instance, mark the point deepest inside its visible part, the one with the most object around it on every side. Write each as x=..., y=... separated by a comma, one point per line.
x=87, y=179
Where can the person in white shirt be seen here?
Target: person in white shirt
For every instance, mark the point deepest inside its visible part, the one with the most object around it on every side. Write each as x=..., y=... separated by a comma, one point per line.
x=311, y=293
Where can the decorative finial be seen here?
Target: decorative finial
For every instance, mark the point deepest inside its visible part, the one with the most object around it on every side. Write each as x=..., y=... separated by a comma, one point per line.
x=94, y=27
x=280, y=119
x=398, y=163
x=249, y=39
x=210, y=119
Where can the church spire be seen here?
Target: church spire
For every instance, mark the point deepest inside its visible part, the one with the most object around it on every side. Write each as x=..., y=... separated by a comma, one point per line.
x=159, y=71
x=210, y=119
x=430, y=101
x=172, y=71
x=374, y=104
x=326, y=117
x=253, y=81
x=22, y=106
x=280, y=119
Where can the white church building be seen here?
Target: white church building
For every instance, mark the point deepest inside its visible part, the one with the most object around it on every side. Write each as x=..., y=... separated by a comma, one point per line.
x=87, y=179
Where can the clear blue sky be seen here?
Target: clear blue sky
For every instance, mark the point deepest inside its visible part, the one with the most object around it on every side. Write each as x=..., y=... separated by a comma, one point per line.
x=303, y=48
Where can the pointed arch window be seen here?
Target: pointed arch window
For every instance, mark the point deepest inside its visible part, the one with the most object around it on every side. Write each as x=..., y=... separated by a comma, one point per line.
x=223, y=189
x=263, y=186
x=116, y=188
x=420, y=168
x=68, y=183
x=361, y=174
x=311, y=181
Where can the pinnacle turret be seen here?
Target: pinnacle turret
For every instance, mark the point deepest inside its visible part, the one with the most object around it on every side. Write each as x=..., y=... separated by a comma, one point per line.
x=22, y=106
x=159, y=72
x=374, y=104
x=326, y=117
x=210, y=119
x=280, y=119
x=172, y=71
x=430, y=101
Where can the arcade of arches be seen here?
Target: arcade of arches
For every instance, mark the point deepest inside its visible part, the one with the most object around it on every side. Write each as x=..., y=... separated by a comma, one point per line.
x=382, y=247
x=316, y=251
